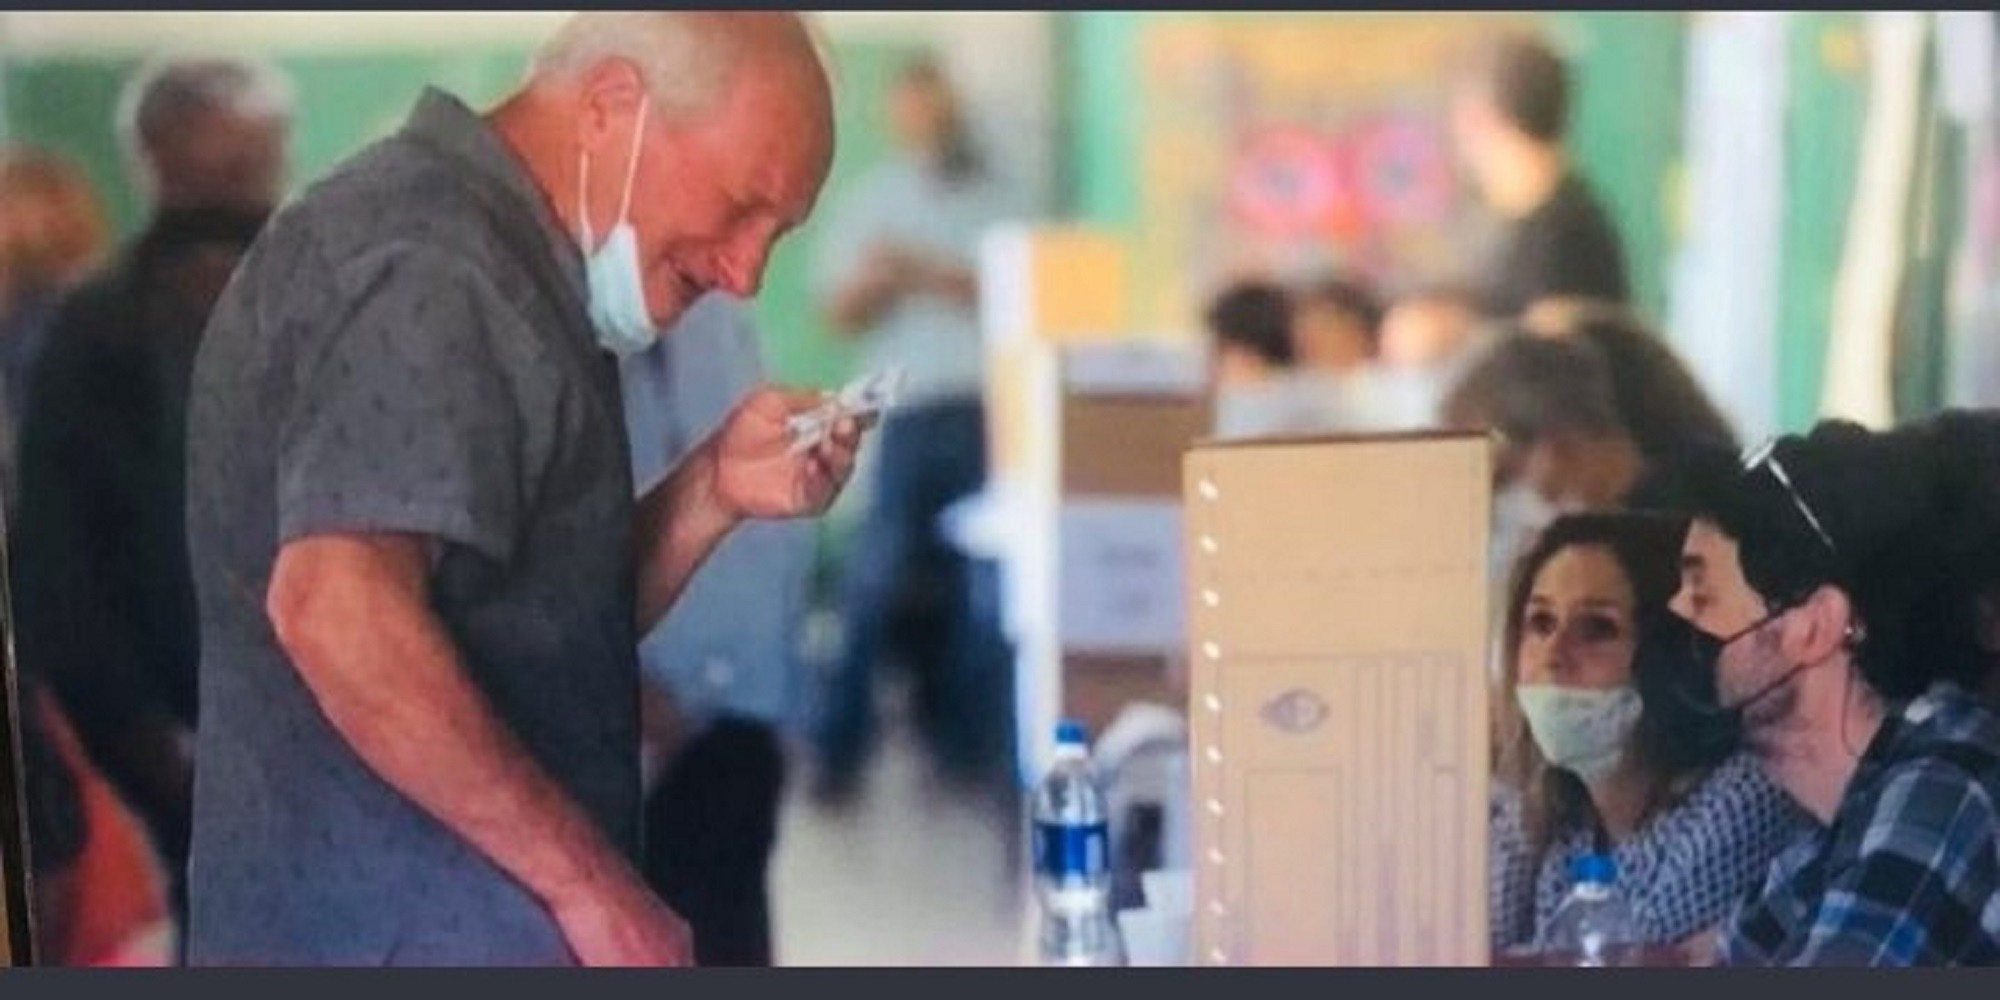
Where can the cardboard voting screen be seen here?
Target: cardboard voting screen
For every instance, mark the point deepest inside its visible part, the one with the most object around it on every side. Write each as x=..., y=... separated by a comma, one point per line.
x=1337, y=638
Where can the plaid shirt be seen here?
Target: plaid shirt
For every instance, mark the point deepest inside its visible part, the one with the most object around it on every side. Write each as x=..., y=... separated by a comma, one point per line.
x=1908, y=872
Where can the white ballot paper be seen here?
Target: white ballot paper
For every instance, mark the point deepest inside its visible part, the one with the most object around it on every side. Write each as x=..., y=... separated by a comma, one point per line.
x=865, y=397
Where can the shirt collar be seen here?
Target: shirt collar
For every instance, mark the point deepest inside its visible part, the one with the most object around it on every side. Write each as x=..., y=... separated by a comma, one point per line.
x=445, y=123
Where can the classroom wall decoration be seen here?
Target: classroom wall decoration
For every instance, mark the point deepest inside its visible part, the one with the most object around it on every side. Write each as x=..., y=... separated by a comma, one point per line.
x=1261, y=156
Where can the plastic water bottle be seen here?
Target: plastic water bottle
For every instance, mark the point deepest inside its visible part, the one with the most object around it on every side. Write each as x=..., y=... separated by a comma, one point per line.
x=1594, y=926
x=1072, y=847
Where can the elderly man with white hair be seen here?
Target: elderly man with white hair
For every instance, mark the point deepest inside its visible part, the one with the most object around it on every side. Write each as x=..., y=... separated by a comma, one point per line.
x=105, y=600
x=423, y=571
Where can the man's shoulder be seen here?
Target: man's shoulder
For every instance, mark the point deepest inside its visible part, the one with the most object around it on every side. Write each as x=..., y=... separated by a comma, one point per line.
x=1952, y=727
x=397, y=192
x=1942, y=774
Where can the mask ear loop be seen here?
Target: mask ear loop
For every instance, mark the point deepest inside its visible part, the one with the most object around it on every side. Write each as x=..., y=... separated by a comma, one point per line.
x=587, y=236
x=632, y=165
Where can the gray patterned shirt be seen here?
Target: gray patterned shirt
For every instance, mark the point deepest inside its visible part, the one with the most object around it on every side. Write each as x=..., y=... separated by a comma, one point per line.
x=406, y=350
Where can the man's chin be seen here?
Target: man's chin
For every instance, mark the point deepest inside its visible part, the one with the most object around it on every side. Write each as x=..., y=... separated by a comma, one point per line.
x=679, y=301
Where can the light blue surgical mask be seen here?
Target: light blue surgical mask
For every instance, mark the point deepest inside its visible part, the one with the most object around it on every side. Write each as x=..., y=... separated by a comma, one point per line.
x=1581, y=730
x=615, y=284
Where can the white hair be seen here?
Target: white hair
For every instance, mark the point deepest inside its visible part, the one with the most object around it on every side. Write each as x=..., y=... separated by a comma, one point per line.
x=169, y=91
x=687, y=59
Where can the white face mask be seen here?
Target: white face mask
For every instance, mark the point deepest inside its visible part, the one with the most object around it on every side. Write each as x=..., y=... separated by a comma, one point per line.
x=1581, y=730
x=616, y=286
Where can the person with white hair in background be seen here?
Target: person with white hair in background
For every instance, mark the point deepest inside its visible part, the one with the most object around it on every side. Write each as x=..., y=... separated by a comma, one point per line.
x=104, y=594
x=422, y=566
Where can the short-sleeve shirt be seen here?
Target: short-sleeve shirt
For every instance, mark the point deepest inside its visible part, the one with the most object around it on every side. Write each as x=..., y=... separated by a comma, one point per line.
x=406, y=350
x=1566, y=247
x=1683, y=874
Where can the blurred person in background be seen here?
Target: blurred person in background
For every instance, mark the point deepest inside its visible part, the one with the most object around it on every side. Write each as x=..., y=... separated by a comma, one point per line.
x=99, y=891
x=1259, y=388
x=1509, y=116
x=1807, y=571
x=1662, y=403
x=1337, y=334
x=1602, y=747
x=106, y=596
x=52, y=233
x=721, y=670
x=1564, y=446
x=1250, y=331
x=895, y=273
x=1337, y=326
x=1564, y=437
x=1428, y=335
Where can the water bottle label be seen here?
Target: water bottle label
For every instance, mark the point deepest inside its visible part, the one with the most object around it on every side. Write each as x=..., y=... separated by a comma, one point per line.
x=1064, y=851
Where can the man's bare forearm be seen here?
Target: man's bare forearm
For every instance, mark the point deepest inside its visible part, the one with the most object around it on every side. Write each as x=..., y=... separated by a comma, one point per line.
x=679, y=524
x=353, y=614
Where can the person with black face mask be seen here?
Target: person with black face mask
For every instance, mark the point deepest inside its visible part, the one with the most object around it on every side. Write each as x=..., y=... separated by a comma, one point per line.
x=1806, y=571
x=1602, y=747
x=105, y=596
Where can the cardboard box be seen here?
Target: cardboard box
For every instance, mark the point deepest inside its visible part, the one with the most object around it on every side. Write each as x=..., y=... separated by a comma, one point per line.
x=1053, y=284
x=1087, y=421
x=1088, y=461
x=1337, y=642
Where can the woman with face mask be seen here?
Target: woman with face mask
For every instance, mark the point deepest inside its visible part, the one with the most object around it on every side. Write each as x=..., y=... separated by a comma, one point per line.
x=1602, y=746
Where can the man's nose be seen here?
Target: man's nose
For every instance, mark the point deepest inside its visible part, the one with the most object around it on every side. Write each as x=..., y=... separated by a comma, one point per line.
x=1682, y=604
x=743, y=270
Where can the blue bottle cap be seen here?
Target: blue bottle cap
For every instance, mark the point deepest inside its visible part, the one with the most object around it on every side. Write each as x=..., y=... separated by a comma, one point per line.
x=1069, y=732
x=1598, y=868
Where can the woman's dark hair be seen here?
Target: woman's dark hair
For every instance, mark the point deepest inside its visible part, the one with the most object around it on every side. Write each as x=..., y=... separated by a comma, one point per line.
x=1661, y=404
x=1907, y=516
x=1674, y=743
x=1257, y=316
x=1529, y=387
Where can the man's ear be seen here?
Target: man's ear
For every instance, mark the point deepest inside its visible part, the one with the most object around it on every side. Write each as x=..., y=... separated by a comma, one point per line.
x=608, y=100
x=1822, y=627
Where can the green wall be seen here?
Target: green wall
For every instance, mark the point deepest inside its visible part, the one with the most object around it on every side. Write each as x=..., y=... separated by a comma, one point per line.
x=1629, y=68
x=1629, y=71
x=344, y=102
x=1826, y=99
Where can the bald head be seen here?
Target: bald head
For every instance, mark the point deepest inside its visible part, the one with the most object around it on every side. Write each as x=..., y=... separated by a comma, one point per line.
x=689, y=59
x=710, y=133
